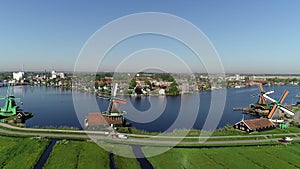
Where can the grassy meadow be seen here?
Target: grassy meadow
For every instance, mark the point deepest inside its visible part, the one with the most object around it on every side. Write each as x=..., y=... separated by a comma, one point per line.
x=123, y=155
x=21, y=152
x=75, y=154
x=79, y=154
x=280, y=156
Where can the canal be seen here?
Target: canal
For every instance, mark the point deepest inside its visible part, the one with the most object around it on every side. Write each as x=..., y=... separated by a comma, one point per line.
x=53, y=107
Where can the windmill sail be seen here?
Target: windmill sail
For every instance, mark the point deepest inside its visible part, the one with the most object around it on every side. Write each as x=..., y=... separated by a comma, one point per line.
x=120, y=101
x=261, y=99
x=278, y=105
x=114, y=106
x=271, y=114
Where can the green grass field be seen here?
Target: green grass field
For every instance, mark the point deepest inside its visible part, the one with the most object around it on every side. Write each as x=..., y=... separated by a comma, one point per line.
x=188, y=139
x=21, y=152
x=281, y=156
x=75, y=154
x=125, y=162
x=225, y=131
x=79, y=154
x=123, y=155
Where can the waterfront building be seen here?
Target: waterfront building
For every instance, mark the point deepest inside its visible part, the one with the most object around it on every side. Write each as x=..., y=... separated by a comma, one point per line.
x=259, y=124
x=96, y=121
x=161, y=92
x=18, y=76
x=55, y=75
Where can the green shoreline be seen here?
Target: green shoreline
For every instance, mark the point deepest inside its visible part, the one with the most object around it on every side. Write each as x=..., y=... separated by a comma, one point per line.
x=262, y=138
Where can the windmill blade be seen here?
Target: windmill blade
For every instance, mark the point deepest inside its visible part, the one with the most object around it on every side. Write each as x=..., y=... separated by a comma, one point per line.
x=287, y=111
x=261, y=88
x=8, y=91
x=269, y=92
x=269, y=98
x=272, y=112
x=102, y=97
x=260, y=94
x=277, y=121
x=14, y=98
x=120, y=101
x=283, y=96
x=262, y=99
x=9, y=98
x=114, y=91
x=278, y=104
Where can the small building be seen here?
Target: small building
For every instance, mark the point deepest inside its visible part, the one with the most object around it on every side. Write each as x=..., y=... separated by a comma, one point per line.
x=18, y=76
x=161, y=92
x=96, y=120
x=55, y=75
x=259, y=124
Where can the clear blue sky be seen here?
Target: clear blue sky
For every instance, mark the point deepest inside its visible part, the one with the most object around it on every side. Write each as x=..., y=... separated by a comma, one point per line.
x=250, y=36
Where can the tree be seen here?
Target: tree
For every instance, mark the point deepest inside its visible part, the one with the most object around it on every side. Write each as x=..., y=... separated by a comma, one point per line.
x=173, y=90
x=102, y=84
x=165, y=77
x=132, y=84
x=96, y=85
x=147, y=82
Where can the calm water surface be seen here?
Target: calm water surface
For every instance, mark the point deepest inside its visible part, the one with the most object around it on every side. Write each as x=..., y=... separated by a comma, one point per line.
x=54, y=107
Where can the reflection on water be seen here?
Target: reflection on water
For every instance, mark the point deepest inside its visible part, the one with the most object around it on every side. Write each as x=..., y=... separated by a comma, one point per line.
x=54, y=107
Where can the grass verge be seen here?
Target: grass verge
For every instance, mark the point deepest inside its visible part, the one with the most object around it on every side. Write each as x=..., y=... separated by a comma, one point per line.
x=21, y=152
x=123, y=155
x=283, y=156
x=75, y=154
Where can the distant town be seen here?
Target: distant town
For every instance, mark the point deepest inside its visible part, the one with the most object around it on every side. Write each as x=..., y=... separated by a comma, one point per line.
x=139, y=84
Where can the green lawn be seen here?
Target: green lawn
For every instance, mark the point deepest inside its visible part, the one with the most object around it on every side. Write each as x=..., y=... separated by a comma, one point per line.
x=225, y=131
x=281, y=156
x=21, y=152
x=223, y=139
x=189, y=139
x=75, y=154
x=123, y=155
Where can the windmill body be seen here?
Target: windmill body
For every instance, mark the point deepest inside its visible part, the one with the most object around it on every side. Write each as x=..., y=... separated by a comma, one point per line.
x=113, y=114
x=262, y=107
x=9, y=108
x=268, y=107
x=114, y=103
x=112, y=117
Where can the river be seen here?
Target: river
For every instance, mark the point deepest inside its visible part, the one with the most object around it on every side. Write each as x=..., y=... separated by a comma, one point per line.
x=53, y=107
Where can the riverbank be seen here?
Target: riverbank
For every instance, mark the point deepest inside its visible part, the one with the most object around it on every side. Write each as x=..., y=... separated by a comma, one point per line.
x=60, y=106
x=161, y=140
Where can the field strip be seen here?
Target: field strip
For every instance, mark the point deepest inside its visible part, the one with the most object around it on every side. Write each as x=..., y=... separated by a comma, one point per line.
x=145, y=138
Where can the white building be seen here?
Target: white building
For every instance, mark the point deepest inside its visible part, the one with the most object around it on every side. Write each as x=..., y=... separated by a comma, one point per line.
x=18, y=76
x=161, y=92
x=62, y=75
x=237, y=77
x=55, y=75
